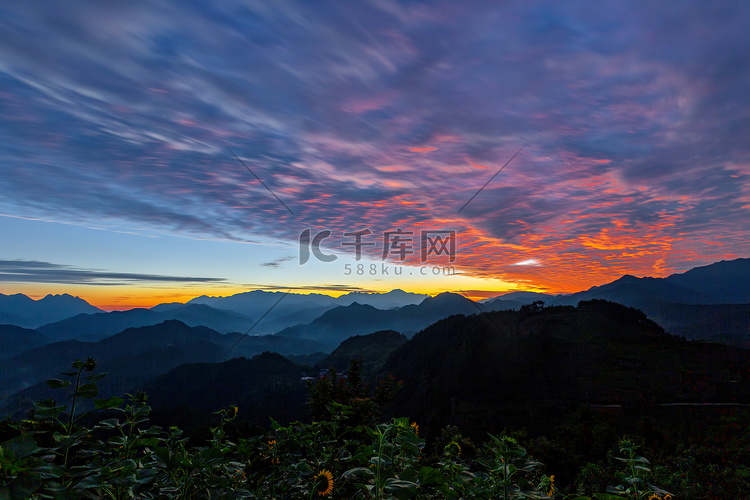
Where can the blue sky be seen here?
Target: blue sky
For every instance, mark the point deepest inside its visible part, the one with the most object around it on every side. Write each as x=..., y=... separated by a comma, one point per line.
x=119, y=120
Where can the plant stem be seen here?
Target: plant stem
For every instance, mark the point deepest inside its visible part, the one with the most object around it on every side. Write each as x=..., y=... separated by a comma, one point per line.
x=381, y=437
x=69, y=430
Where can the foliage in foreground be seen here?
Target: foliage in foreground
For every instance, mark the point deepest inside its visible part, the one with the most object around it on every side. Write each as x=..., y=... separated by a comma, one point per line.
x=57, y=455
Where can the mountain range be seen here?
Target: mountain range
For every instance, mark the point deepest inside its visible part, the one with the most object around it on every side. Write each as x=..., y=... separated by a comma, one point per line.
x=23, y=311
x=706, y=303
x=296, y=308
x=133, y=356
x=321, y=317
x=97, y=326
x=528, y=368
x=340, y=323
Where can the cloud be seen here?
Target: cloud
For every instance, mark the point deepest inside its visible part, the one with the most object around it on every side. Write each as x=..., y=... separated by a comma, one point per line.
x=528, y=262
x=30, y=271
x=384, y=115
x=276, y=263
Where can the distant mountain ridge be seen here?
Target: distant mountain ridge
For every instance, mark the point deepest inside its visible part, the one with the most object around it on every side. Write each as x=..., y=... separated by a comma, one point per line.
x=708, y=303
x=328, y=320
x=259, y=301
x=343, y=322
x=221, y=314
x=23, y=311
x=281, y=310
x=103, y=324
x=723, y=282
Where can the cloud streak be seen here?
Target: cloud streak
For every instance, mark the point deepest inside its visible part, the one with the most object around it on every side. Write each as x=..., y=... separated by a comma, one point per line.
x=29, y=271
x=384, y=114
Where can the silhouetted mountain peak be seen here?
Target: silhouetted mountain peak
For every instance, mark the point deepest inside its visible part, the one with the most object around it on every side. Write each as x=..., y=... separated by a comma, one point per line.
x=445, y=299
x=61, y=295
x=65, y=298
x=377, y=338
x=168, y=330
x=394, y=298
x=627, y=278
x=26, y=312
x=19, y=297
x=354, y=306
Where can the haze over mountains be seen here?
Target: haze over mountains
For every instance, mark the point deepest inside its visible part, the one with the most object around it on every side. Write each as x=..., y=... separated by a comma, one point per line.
x=257, y=302
x=132, y=357
x=721, y=288
x=103, y=324
x=336, y=325
x=529, y=367
x=706, y=303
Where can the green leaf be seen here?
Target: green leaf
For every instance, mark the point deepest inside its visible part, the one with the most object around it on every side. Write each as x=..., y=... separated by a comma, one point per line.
x=613, y=489
x=109, y=423
x=56, y=383
x=65, y=440
x=109, y=403
x=21, y=446
x=429, y=476
x=94, y=378
x=359, y=471
x=150, y=441
x=48, y=404
x=88, y=391
x=144, y=476
x=403, y=490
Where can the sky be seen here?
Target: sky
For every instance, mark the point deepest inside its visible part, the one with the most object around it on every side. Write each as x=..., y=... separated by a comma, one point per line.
x=156, y=151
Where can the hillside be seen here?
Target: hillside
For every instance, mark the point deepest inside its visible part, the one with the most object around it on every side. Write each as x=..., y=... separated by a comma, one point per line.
x=266, y=385
x=132, y=357
x=374, y=349
x=263, y=386
x=15, y=340
x=530, y=368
